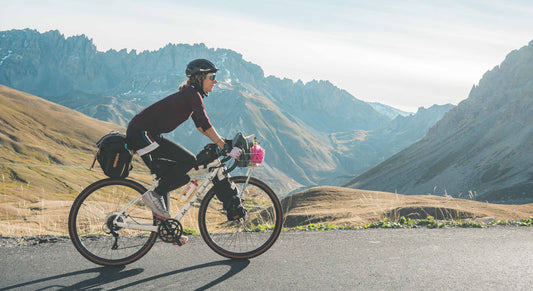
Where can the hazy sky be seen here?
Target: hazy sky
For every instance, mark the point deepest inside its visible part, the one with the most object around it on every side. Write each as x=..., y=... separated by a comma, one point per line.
x=401, y=53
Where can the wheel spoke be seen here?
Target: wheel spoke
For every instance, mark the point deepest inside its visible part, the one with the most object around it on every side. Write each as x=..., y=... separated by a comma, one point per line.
x=244, y=238
x=91, y=223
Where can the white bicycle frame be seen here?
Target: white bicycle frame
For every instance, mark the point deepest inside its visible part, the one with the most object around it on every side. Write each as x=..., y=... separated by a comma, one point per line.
x=218, y=171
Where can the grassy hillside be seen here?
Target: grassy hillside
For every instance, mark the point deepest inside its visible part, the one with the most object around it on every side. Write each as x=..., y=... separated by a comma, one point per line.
x=45, y=153
x=353, y=207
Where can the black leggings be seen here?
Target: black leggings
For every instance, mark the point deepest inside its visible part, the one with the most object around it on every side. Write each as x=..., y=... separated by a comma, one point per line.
x=169, y=161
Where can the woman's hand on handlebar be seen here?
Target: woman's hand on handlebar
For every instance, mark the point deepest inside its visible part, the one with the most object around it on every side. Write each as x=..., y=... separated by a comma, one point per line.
x=230, y=151
x=235, y=153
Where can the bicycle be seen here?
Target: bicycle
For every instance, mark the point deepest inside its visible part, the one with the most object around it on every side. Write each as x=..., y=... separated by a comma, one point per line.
x=110, y=225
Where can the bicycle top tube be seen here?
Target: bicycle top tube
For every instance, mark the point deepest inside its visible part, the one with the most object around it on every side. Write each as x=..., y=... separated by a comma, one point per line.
x=217, y=163
x=201, y=169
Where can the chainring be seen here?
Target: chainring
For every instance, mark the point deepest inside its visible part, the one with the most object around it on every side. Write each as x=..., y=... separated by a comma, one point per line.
x=170, y=230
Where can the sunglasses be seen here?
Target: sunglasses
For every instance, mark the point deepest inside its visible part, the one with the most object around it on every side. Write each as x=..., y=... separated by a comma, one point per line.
x=211, y=76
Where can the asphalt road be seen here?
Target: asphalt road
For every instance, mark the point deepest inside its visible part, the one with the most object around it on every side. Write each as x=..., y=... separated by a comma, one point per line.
x=496, y=258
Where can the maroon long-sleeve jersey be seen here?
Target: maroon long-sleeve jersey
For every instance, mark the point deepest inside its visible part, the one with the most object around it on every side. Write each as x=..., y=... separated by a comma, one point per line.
x=170, y=112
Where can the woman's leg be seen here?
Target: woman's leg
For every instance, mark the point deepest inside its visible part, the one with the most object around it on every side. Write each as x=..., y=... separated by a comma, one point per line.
x=168, y=160
x=171, y=162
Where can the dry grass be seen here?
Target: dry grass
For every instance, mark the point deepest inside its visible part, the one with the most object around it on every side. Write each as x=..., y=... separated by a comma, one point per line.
x=33, y=210
x=335, y=205
x=352, y=207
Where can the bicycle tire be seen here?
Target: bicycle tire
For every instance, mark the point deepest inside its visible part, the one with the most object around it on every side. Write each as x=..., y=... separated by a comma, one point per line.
x=90, y=217
x=248, y=237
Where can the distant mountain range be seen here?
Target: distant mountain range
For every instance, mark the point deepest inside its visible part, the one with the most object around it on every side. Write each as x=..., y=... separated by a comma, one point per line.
x=314, y=133
x=389, y=111
x=482, y=149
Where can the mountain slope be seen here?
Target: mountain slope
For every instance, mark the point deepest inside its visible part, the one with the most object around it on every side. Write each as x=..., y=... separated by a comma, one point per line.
x=360, y=150
x=107, y=108
x=387, y=110
x=322, y=106
x=482, y=148
x=44, y=146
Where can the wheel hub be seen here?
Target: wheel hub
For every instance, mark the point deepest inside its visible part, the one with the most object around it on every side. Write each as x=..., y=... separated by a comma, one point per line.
x=110, y=226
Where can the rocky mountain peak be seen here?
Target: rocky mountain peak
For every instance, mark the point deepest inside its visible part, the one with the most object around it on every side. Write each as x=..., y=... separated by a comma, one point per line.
x=482, y=146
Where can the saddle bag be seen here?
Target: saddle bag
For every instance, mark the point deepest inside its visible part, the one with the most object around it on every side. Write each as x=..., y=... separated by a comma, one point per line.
x=113, y=156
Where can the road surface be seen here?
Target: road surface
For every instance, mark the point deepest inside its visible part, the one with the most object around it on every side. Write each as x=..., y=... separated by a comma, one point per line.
x=496, y=258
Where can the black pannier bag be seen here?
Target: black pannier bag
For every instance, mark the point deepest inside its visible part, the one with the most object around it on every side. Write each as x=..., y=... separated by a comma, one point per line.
x=225, y=190
x=113, y=156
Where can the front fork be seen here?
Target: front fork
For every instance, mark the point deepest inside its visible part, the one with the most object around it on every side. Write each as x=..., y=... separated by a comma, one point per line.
x=248, y=175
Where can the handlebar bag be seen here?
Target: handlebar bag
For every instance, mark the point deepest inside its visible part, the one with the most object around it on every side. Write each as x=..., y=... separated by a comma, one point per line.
x=207, y=155
x=245, y=145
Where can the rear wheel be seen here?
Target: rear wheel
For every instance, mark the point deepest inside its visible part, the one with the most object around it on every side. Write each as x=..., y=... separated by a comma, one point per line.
x=91, y=226
x=244, y=238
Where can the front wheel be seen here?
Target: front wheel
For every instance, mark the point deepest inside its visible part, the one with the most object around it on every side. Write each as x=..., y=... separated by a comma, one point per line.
x=244, y=238
x=93, y=231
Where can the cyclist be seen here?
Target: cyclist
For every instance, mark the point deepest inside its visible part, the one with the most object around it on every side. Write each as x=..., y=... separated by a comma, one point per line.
x=144, y=137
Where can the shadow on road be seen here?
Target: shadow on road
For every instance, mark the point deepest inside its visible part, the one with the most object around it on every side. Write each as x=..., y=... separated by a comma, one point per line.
x=106, y=275
x=112, y=274
x=235, y=268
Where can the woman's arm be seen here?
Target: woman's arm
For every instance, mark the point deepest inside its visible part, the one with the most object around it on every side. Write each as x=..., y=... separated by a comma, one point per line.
x=213, y=135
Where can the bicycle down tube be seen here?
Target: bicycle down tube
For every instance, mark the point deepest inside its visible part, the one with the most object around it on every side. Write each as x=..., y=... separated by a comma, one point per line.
x=218, y=170
x=201, y=189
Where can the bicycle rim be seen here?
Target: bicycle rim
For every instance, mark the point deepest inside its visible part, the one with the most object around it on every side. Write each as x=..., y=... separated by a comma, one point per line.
x=90, y=223
x=245, y=238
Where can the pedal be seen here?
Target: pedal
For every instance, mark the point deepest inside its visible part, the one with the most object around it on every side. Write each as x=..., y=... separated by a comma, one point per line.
x=181, y=241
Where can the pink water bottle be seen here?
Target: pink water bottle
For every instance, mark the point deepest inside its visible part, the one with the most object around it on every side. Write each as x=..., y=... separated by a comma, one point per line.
x=258, y=154
x=186, y=195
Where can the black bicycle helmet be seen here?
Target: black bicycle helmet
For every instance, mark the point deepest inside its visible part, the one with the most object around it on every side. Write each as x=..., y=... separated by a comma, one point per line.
x=200, y=66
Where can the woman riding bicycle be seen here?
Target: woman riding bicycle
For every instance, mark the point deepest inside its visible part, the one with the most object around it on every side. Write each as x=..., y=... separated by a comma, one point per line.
x=170, y=161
